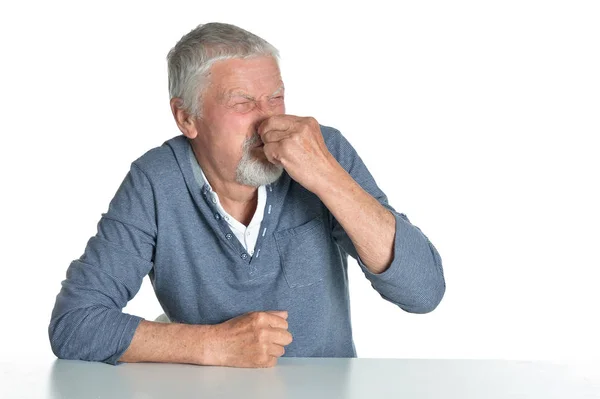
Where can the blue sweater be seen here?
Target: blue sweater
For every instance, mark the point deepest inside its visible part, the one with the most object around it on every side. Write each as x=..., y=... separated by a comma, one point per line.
x=161, y=223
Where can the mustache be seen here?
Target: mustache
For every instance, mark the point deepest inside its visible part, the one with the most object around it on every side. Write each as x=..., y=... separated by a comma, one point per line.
x=252, y=141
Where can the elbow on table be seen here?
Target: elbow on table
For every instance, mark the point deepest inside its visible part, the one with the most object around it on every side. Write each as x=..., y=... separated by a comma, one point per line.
x=60, y=352
x=95, y=333
x=69, y=335
x=60, y=333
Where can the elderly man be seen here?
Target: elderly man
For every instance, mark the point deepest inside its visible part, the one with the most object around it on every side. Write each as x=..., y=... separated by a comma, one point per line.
x=244, y=224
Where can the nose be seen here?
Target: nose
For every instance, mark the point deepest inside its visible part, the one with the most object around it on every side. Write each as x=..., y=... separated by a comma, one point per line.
x=258, y=122
x=266, y=110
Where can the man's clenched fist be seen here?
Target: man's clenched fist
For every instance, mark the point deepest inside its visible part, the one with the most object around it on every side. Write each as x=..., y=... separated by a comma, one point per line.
x=255, y=339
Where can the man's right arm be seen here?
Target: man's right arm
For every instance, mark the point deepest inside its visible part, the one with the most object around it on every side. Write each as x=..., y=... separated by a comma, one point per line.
x=255, y=339
x=87, y=322
x=168, y=343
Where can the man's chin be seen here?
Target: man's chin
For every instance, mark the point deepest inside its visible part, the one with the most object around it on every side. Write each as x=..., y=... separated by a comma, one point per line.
x=262, y=172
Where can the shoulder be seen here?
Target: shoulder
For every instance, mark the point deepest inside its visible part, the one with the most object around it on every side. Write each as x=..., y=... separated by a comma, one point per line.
x=339, y=146
x=160, y=163
x=330, y=134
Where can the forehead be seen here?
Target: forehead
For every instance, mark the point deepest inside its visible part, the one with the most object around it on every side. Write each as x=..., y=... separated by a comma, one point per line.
x=255, y=76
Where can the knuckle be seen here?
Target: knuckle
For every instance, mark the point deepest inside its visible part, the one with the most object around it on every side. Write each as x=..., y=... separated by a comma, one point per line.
x=262, y=335
x=310, y=122
x=253, y=317
x=259, y=317
x=257, y=322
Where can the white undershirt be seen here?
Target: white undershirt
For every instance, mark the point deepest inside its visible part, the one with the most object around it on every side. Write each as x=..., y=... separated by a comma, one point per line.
x=247, y=236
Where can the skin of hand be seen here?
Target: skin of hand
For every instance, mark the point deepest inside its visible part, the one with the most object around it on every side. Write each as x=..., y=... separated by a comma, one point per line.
x=252, y=340
x=297, y=144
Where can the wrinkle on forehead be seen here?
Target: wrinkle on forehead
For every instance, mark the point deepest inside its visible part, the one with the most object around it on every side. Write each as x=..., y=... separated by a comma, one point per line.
x=248, y=77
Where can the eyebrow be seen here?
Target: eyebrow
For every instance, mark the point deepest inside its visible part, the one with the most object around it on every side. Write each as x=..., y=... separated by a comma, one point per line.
x=278, y=91
x=240, y=93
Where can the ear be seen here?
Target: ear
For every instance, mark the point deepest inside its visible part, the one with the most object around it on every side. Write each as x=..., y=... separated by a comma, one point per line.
x=185, y=121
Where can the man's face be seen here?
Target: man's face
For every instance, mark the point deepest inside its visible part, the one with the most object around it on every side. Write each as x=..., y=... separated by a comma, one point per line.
x=240, y=95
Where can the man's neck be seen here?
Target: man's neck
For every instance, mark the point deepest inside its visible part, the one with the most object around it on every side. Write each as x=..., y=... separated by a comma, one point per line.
x=237, y=199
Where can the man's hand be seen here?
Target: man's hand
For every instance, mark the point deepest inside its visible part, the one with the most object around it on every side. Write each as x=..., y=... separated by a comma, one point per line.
x=255, y=339
x=297, y=144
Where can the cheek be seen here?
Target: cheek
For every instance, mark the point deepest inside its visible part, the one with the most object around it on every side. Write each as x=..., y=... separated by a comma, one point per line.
x=229, y=131
x=232, y=123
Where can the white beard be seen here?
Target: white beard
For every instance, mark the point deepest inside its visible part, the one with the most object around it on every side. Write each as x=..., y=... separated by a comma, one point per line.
x=255, y=172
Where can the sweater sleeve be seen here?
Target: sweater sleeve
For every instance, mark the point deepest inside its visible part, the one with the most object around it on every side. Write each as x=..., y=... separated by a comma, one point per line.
x=415, y=279
x=87, y=322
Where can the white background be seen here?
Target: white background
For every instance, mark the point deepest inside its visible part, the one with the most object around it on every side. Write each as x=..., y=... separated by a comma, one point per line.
x=478, y=119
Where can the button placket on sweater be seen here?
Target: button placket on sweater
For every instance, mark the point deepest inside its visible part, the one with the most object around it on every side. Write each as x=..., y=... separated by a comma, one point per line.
x=243, y=254
x=260, y=238
x=236, y=246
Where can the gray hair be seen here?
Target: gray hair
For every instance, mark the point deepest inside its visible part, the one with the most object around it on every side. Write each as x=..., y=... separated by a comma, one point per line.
x=190, y=60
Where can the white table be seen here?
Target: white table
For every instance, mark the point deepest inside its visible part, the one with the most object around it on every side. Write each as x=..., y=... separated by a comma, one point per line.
x=306, y=378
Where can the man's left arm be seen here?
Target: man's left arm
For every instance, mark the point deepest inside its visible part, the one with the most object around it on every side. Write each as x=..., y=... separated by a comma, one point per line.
x=369, y=225
x=396, y=257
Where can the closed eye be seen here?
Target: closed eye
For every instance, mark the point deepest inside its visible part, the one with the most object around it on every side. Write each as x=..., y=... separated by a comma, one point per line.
x=244, y=106
x=276, y=100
